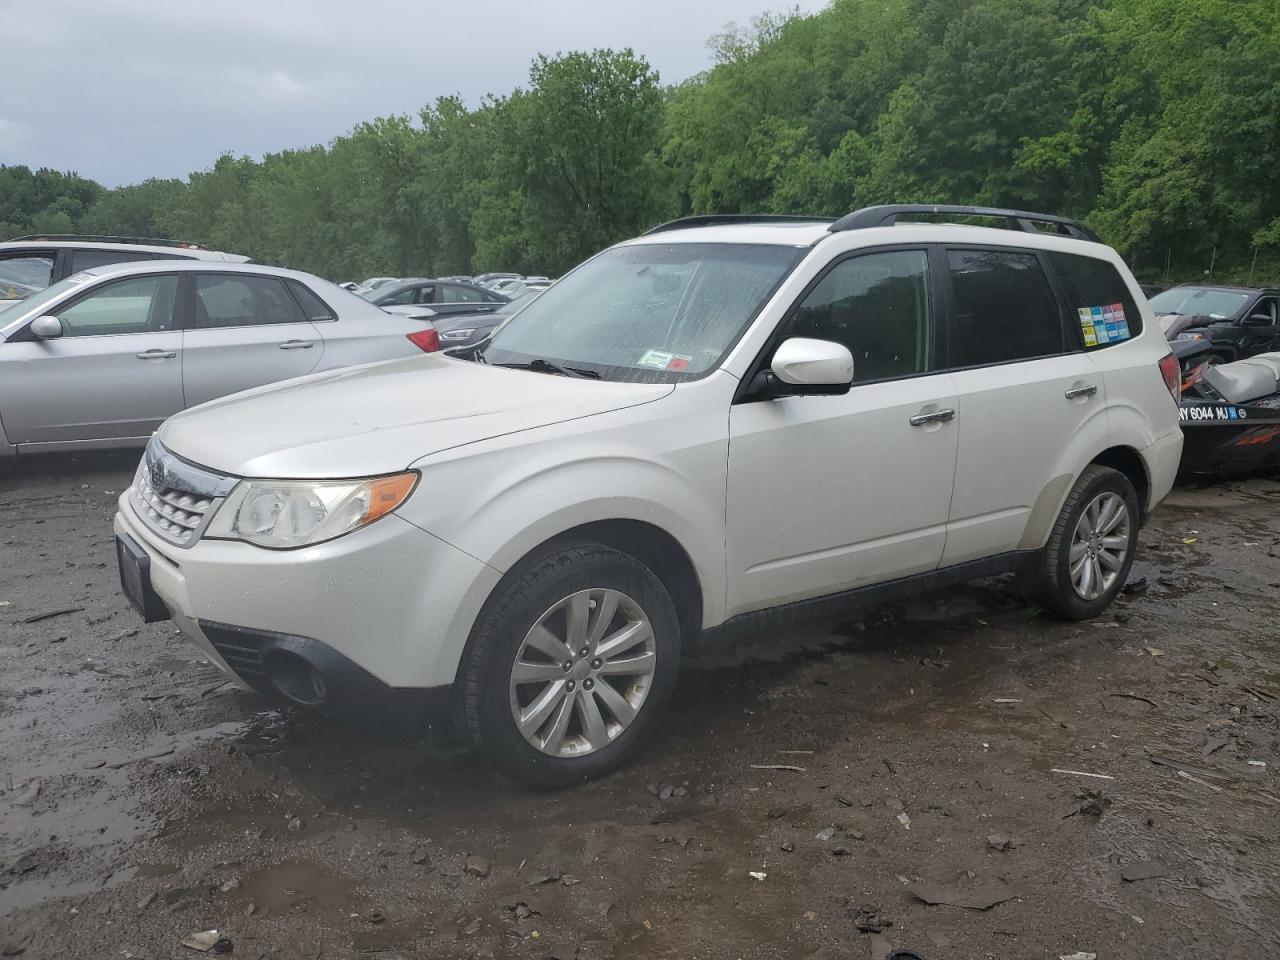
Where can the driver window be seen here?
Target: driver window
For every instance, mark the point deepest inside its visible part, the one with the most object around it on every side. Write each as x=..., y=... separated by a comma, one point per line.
x=137, y=305
x=1267, y=308
x=877, y=305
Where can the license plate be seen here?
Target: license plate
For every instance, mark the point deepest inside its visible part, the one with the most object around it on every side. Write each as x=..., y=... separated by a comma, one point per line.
x=135, y=580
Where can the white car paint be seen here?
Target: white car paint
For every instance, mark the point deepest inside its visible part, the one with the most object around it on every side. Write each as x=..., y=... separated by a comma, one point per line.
x=772, y=502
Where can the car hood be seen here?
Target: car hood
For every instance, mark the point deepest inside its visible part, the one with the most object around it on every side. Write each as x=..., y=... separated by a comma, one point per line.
x=380, y=418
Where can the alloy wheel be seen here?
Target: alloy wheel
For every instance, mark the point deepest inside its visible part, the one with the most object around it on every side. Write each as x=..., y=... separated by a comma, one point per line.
x=1099, y=545
x=582, y=672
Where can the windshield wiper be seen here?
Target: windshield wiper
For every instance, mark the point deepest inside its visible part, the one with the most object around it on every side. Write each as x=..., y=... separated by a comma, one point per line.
x=539, y=365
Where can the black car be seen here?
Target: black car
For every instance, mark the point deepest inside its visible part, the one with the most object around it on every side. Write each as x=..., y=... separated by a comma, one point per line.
x=445, y=298
x=459, y=334
x=1226, y=323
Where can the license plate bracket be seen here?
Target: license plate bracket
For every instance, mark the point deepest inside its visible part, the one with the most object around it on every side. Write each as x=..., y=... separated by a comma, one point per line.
x=135, y=580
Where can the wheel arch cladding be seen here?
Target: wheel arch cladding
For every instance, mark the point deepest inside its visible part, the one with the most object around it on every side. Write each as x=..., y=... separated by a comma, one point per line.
x=1129, y=462
x=656, y=549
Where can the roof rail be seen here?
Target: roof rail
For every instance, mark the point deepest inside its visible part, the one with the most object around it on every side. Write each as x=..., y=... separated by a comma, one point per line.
x=101, y=238
x=722, y=219
x=888, y=214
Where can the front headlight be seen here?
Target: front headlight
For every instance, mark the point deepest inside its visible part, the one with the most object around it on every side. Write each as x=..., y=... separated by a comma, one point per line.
x=1191, y=336
x=295, y=513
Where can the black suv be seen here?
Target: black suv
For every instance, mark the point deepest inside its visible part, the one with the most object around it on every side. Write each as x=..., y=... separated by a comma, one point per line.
x=1220, y=323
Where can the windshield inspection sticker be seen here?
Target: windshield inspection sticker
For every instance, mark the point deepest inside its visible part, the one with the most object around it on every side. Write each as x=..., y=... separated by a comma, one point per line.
x=1101, y=325
x=658, y=360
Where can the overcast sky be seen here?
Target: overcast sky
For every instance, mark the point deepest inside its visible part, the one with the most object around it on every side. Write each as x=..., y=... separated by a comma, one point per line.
x=123, y=90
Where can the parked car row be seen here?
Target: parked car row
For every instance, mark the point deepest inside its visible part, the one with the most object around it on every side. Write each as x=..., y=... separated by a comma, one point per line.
x=533, y=539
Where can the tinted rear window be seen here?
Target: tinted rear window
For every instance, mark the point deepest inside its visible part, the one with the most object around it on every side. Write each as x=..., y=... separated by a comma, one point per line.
x=1098, y=300
x=1004, y=308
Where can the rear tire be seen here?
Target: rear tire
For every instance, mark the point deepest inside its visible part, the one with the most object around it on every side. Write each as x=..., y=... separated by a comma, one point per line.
x=1086, y=561
x=570, y=665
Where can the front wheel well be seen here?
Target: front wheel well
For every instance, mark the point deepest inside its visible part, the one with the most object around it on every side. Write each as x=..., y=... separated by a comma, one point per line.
x=661, y=553
x=1128, y=462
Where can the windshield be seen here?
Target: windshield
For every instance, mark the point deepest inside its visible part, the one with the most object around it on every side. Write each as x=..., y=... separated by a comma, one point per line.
x=650, y=312
x=1199, y=301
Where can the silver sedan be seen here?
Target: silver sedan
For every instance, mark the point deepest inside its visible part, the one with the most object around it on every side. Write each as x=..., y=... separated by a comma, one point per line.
x=101, y=358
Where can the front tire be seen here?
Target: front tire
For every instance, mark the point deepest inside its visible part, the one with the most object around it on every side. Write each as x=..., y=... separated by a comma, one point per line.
x=570, y=665
x=1086, y=561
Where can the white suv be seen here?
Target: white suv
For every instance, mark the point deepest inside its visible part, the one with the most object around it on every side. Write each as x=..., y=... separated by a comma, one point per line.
x=724, y=422
x=31, y=264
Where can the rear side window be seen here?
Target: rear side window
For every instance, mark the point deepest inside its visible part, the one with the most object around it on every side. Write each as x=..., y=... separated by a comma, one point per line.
x=231, y=300
x=1004, y=308
x=312, y=305
x=450, y=294
x=88, y=259
x=1099, y=302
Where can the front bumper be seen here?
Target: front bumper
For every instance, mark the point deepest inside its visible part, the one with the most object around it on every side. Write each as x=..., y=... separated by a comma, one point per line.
x=390, y=598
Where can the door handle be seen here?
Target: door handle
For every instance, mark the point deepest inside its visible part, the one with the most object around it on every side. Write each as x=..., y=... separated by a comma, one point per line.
x=937, y=416
x=1081, y=390
x=157, y=355
x=297, y=345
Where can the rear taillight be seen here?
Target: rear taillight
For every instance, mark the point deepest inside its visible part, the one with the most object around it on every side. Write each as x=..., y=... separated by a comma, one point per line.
x=1172, y=377
x=428, y=341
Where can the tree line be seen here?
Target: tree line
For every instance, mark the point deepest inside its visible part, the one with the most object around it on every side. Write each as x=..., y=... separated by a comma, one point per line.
x=1155, y=121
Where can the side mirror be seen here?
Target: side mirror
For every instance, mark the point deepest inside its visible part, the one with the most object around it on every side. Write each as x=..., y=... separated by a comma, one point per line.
x=46, y=328
x=812, y=367
x=1259, y=320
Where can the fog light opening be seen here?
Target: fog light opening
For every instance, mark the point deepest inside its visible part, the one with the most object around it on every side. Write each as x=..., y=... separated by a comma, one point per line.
x=296, y=678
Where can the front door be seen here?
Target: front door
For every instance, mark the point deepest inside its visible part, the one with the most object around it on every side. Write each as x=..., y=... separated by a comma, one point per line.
x=114, y=373
x=247, y=331
x=826, y=493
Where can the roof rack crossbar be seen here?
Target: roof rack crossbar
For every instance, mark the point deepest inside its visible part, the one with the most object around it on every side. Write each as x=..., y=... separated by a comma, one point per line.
x=105, y=238
x=888, y=214
x=721, y=219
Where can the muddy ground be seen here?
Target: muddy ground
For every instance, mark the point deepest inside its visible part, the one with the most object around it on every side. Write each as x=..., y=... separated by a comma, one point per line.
x=142, y=798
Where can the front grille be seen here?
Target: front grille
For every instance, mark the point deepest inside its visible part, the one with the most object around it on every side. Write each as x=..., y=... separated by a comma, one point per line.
x=174, y=498
x=178, y=516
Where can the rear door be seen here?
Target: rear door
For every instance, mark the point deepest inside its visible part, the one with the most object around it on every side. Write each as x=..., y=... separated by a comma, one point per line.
x=245, y=330
x=114, y=373
x=1025, y=393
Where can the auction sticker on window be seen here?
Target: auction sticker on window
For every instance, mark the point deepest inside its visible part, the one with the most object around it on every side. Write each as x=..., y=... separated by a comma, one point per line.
x=659, y=360
x=1102, y=325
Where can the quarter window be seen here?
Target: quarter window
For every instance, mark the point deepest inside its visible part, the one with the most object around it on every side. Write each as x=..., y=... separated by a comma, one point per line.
x=1099, y=303
x=1004, y=308
x=229, y=300
x=137, y=305
x=23, y=274
x=312, y=305
x=877, y=305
